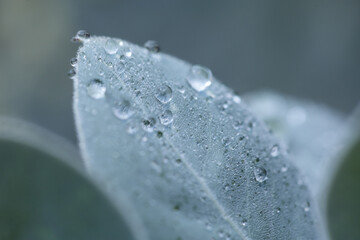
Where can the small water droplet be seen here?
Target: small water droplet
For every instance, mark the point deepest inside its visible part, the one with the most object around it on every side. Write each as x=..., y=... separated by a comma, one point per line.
x=73, y=61
x=221, y=234
x=225, y=141
x=111, y=46
x=278, y=210
x=236, y=99
x=244, y=222
x=123, y=110
x=275, y=151
x=149, y=124
x=237, y=124
x=152, y=46
x=71, y=73
x=166, y=117
x=132, y=129
x=307, y=207
x=81, y=35
x=199, y=77
x=284, y=168
x=96, y=89
x=260, y=174
x=128, y=53
x=164, y=94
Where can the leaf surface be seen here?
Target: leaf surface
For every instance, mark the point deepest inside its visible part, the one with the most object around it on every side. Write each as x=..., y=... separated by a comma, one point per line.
x=196, y=164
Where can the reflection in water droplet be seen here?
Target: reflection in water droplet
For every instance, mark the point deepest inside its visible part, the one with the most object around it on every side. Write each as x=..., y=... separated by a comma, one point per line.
x=149, y=124
x=111, y=46
x=260, y=174
x=164, y=94
x=166, y=117
x=96, y=89
x=73, y=61
x=152, y=46
x=199, y=78
x=275, y=151
x=123, y=110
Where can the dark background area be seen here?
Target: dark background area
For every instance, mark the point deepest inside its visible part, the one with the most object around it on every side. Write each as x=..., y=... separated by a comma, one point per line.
x=309, y=48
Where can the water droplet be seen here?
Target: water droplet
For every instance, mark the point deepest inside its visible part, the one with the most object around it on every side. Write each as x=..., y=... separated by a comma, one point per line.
x=260, y=174
x=275, y=151
x=132, y=129
x=278, y=210
x=73, y=61
x=71, y=73
x=152, y=46
x=237, y=124
x=149, y=124
x=111, y=46
x=199, y=78
x=164, y=94
x=307, y=207
x=244, y=222
x=221, y=234
x=166, y=117
x=236, y=99
x=225, y=141
x=123, y=110
x=128, y=52
x=96, y=89
x=284, y=168
x=81, y=35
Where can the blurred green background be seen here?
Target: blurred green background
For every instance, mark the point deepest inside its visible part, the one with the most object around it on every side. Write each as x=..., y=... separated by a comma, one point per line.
x=306, y=48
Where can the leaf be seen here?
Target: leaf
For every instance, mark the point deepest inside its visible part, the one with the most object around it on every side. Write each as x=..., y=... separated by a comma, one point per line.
x=343, y=210
x=313, y=134
x=45, y=195
x=184, y=149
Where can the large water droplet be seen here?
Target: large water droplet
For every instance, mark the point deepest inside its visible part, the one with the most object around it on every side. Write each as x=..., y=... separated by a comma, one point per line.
x=164, y=94
x=199, y=77
x=149, y=124
x=111, y=46
x=166, y=117
x=152, y=46
x=123, y=110
x=96, y=89
x=260, y=174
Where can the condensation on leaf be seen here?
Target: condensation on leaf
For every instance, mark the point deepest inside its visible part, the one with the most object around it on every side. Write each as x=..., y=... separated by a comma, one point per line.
x=189, y=173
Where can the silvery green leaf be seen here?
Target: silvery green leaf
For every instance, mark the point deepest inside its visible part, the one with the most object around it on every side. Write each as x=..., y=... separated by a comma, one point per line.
x=313, y=134
x=184, y=149
x=44, y=193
